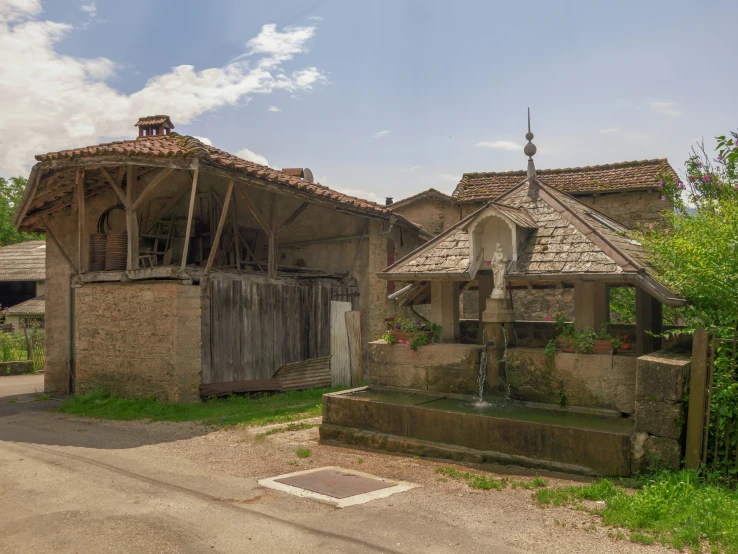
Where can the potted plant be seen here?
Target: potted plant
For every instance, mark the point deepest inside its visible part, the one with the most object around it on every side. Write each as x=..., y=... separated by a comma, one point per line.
x=565, y=337
x=413, y=333
x=602, y=342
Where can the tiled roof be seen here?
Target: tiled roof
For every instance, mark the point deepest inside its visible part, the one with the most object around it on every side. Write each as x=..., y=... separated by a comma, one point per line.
x=24, y=261
x=153, y=120
x=34, y=306
x=449, y=255
x=623, y=176
x=565, y=240
x=424, y=194
x=176, y=146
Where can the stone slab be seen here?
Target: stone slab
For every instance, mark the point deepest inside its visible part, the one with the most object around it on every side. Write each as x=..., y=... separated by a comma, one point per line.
x=662, y=376
x=663, y=419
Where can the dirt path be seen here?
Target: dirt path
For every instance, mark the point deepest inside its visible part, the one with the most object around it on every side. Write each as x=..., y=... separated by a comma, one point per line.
x=76, y=485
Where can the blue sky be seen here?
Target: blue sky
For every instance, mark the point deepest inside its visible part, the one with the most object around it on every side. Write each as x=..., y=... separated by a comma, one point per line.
x=378, y=98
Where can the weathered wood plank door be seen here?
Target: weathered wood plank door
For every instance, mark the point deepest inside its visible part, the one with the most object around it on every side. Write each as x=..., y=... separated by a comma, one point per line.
x=251, y=328
x=340, y=353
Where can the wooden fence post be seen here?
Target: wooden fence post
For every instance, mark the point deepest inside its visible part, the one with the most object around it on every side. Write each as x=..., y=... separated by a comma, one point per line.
x=697, y=395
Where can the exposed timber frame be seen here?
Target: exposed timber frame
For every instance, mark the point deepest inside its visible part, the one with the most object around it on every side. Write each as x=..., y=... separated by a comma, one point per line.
x=79, y=188
x=131, y=219
x=190, y=212
x=219, y=231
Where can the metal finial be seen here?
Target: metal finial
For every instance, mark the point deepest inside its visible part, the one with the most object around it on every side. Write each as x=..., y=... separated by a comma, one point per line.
x=530, y=150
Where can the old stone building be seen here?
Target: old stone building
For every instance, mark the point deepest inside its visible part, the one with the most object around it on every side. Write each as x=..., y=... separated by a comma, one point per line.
x=173, y=267
x=628, y=192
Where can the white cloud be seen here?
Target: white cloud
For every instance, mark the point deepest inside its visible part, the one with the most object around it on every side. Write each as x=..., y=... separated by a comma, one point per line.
x=315, y=18
x=411, y=169
x=252, y=156
x=500, y=145
x=669, y=109
x=204, y=140
x=274, y=109
x=381, y=134
x=53, y=101
x=89, y=8
x=609, y=130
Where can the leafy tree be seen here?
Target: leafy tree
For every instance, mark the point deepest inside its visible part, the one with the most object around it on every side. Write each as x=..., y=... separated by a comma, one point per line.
x=695, y=249
x=11, y=192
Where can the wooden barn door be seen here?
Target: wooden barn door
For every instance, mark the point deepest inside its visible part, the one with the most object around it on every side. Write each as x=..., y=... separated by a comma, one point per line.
x=252, y=328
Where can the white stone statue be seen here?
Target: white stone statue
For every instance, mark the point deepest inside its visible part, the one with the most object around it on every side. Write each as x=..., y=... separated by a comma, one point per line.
x=499, y=263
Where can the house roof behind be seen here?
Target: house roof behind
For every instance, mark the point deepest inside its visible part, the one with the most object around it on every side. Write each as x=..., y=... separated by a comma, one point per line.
x=24, y=261
x=430, y=193
x=616, y=177
x=34, y=306
x=187, y=149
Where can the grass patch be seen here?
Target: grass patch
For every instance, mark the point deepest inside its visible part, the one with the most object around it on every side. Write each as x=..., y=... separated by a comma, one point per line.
x=42, y=396
x=487, y=482
x=676, y=509
x=303, y=452
x=291, y=427
x=233, y=410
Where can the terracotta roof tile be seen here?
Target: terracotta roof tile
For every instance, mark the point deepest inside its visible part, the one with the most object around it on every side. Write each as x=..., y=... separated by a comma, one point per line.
x=179, y=146
x=635, y=175
x=153, y=120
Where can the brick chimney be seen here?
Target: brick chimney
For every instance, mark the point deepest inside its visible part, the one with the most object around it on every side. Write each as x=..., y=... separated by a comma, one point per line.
x=388, y=201
x=154, y=126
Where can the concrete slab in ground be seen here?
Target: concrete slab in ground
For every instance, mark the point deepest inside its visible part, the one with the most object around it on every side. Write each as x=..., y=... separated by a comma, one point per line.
x=292, y=484
x=15, y=385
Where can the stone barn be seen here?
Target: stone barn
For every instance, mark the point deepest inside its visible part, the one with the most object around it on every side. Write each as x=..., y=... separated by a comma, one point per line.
x=175, y=270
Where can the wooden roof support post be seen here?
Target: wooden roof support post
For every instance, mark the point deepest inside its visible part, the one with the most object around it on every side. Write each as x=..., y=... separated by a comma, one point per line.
x=236, y=237
x=221, y=223
x=163, y=174
x=273, y=235
x=116, y=187
x=131, y=220
x=190, y=212
x=79, y=187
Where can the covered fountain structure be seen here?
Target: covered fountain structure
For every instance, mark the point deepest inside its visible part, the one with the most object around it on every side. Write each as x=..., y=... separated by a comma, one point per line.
x=577, y=412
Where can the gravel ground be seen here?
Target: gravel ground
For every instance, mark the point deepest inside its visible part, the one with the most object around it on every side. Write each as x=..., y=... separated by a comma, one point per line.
x=186, y=466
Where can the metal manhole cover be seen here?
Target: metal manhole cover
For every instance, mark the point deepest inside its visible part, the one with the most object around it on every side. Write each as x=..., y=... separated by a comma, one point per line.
x=336, y=484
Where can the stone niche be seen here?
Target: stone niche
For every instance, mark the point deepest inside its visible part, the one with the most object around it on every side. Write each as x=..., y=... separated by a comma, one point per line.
x=583, y=380
x=448, y=367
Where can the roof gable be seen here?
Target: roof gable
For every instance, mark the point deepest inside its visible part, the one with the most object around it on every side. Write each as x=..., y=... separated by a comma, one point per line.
x=616, y=177
x=430, y=193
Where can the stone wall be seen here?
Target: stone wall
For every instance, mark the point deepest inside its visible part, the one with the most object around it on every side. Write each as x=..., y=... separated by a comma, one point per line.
x=139, y=339
x=632, y=209
x=16, y=368
x=661, y=386
x=583, y=380
x=435, y=367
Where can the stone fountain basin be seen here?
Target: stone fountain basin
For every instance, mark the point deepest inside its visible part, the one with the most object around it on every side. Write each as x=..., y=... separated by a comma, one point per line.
x=507, y=432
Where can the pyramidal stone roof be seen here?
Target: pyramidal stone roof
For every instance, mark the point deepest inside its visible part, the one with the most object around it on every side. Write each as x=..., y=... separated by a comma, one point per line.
x=616, y=177
x=569, y=240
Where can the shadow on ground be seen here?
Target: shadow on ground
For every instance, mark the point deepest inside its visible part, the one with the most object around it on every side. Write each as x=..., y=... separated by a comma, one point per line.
x=24, y=418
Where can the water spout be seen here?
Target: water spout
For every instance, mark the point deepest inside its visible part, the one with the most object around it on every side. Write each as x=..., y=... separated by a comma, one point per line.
x=482, y=374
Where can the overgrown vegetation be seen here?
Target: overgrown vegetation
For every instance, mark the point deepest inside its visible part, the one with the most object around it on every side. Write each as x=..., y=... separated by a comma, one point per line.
x=234, y=410
x=680, y=510
x=11, y=192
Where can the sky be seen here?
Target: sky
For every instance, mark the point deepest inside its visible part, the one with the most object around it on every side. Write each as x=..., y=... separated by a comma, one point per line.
x=383, y=98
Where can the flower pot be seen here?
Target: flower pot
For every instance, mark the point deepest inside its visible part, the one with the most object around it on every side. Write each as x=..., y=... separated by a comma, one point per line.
x=603, y=346
x=409, y=336
x=565, y=345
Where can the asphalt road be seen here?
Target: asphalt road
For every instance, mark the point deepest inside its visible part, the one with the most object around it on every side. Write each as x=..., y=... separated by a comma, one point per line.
x=68, y=486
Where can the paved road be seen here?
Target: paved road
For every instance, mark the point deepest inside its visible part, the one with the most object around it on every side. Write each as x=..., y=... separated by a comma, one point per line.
x=66, y=485
x=13, y=385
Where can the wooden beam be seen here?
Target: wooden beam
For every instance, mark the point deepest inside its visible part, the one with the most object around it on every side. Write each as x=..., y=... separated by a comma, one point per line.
x=697, y=399
x=221, y=223
x=79, y=187
x=188, y=230
x=292, y=217
x=131, y=220
x=163, y=174
x=255, y=212
x=168, y=206
x=116, y=187
x=236, y=241
x=50, y=234
x=649, y=318
x=272, y=264
x=30, y=198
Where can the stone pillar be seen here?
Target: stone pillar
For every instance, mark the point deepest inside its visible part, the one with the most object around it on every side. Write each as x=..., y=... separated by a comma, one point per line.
x=649, y=322
x=498, y=320
x=591, y=305
x=445, y=308
x=485, y=289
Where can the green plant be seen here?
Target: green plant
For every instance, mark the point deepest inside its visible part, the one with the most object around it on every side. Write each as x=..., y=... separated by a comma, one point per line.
x=421, y=332
x=583, y=341
x=565, y=329
x=42, y=396
x=303, y=452
x=562, y=394
x=550, y=348
x=389, y=338
x=474, y=480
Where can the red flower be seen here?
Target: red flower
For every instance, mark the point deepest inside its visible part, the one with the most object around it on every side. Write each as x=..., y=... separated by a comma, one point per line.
x=625, y=347
x=625, y=337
